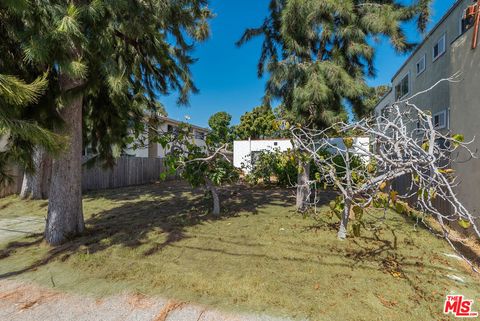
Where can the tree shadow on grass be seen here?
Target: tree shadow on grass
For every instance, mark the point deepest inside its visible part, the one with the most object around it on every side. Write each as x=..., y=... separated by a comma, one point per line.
x=168, y=209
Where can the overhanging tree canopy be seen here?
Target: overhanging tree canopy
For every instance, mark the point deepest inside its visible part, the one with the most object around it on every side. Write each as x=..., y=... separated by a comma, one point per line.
x=317, y=53
x=120, y=52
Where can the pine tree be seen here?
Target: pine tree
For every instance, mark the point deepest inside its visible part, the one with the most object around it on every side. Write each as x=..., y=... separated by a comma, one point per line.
x=19, y=136
x=121, y=52
x=372, y=98
x=318, y=53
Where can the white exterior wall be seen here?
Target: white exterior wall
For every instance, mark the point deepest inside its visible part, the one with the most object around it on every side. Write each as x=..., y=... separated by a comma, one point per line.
x=360, y=146
x=139, y=152
x=164, y=128
x=242, y=149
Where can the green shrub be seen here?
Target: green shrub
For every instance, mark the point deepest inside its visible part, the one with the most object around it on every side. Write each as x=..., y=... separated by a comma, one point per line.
x=281, y=166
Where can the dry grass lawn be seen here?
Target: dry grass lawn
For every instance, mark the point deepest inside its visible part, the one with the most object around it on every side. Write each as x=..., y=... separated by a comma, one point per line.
x=260, y=256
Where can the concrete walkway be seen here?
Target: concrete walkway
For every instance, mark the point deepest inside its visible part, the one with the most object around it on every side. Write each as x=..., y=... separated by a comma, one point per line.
x=15, y=228
x=26, y=302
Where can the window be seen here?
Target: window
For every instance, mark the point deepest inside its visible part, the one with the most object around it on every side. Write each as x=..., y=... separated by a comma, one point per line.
x=421, y=65
x=440, y=120
x=172, y=129
x=466, y=22
x=402, y=89
x=199, y=135
x=439, y=48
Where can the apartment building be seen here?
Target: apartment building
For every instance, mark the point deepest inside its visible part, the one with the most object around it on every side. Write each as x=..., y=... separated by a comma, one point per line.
x=446, y=50
x=146, y=148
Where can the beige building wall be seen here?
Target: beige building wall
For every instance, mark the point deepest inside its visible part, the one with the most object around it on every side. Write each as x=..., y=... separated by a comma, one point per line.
x=438, y=99
x=461, y=100
x=465, y=116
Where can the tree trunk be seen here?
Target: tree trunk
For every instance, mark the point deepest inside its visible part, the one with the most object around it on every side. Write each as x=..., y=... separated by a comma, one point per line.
x=47, y=175
x=342, y=231
x=347, y=198
x=35, y=185
x=65, y=213
x=303, y=188
x=216, y=200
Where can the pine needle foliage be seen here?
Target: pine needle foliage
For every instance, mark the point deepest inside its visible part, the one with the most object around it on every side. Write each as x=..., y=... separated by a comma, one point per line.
x=119, y=55
x=19, y=136
x=318, y=53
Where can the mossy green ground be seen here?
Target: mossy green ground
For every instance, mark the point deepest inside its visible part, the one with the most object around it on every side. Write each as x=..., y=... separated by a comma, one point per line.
x=259, y=256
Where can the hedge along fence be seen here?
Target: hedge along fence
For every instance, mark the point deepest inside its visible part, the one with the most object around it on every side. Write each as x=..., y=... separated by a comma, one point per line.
x=128, y=171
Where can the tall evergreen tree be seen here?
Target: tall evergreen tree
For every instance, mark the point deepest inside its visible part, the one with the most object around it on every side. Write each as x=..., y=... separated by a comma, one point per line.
x=122, y=52
x=19, y=136
x=318, y=53
x=371, y=99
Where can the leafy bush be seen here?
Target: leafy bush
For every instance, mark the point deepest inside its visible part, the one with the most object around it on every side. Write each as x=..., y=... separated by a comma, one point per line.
x=281, y=166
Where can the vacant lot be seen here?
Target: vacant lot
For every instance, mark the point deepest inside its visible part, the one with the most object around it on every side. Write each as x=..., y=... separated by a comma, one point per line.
x=260, y=256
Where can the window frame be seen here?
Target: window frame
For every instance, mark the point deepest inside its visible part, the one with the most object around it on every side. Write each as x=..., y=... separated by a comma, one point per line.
x=462, y=19
x=407, y=74
x=424, y=58
x=445, y=119
x=442, y=38
x=460, y=29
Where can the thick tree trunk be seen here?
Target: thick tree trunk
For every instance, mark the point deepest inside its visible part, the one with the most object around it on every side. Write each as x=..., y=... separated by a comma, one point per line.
x=342, y=231
x=303, y=188
x=27, y=186
x=65, y=213
x=215, y=198
x=47, y=175
x=35, y=185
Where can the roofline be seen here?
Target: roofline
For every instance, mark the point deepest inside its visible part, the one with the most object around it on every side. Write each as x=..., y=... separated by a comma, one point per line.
x=177, y=122
x=262, y=140
x=385, y=95
x=420, y=45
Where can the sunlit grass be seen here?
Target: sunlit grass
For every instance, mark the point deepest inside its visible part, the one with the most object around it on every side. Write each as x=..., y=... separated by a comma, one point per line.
x=260, y=256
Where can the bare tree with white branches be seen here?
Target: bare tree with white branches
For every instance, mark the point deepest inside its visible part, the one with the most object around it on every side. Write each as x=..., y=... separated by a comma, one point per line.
x=404, y=140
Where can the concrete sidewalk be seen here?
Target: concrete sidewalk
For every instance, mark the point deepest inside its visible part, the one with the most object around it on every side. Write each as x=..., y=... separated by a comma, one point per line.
x=15, y=228
x=26, y=302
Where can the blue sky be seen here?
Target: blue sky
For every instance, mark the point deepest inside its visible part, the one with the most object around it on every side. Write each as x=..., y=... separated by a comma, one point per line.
x=227, y=76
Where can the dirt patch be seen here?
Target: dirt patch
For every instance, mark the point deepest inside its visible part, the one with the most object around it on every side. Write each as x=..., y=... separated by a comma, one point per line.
x=28, y=302
x=171, y=306
x=27, y=296
x=139, y=301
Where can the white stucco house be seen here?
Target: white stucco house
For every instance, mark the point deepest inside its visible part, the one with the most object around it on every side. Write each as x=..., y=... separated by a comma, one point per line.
x=244, y=151
x=154, y=149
